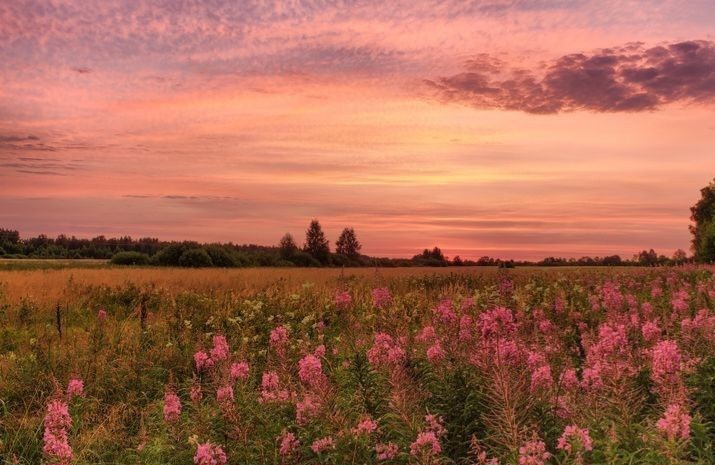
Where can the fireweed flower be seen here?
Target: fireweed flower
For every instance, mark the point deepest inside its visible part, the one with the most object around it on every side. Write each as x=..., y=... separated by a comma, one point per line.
x=650, y=331
x=196, y=395
x=102, y=314
x=270, y=388
x=56, y=438
x=202, y=361
x=427, y=335
x=310, y=370
x=365, y=426
x=322, y=444
x=381, y=297
x=239, y=370
x=343, y=299
x=426, y=443
x=435, y=353
x=209, y=454
x=278, y=339
x=220, y=350
x=75, y=388
x=444, y=312
x=307, y=409
x=675, y=423
x=497, y=322
x=386, y=451
x=435, y=424
x=680, y=301
x=575, y=436
x=320, y=351
x=172, y=407
x=385, y=352
x=466, y=323
x=224, y=395
x=533, y=453
x=288, y=444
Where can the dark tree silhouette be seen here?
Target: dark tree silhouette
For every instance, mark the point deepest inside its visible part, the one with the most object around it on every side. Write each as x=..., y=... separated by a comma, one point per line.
x=288, y=247
x=348, y=243
x=316, y=244
x=703, y=229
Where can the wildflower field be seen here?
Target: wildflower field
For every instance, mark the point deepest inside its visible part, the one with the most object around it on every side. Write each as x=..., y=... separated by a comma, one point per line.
x=479, y=366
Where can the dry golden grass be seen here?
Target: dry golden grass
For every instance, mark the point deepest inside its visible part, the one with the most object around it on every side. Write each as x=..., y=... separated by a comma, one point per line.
x=48, y=285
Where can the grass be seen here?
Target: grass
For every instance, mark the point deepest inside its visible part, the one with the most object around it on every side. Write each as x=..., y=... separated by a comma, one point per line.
x=159, y=317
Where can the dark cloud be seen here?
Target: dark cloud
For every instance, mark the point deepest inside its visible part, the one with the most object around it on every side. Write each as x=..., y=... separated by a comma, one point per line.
x=630, y=78
x=82, y=70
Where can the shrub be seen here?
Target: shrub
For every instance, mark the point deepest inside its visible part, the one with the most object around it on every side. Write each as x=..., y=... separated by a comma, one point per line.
x=195, y=258
x=130, y=258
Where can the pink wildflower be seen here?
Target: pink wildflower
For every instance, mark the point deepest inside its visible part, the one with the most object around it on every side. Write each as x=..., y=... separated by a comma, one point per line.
x=209, y=454
x=497, y=322
x=322, y=444
x=220, y=350
x=278, y=339
x=202, y=361
x=102, y=314
x=650, y=331
x=385, y=351
x=381, y=297
x=435, y=425
x=573, y=435
x=224, y=395
x=56, y=438
x=310, y=370
x=675, y=423
x=435, y=353
x=196, y=395
x=75, y=388
x=172, y=407
x=665, y=366
x=289, y=444
x=239, y=370
x=386, y=451
x=533, y=453
x=444, y=312
x=365, y=426
x=270, y=388
x=307, y=409
x=343, y=299
x=426, y=442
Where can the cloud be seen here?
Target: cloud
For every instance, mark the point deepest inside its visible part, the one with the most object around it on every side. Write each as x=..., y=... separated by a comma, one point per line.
x=82, y=70
x=629, y=78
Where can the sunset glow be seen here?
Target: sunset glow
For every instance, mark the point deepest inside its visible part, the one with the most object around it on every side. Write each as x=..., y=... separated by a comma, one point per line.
x=496, y=127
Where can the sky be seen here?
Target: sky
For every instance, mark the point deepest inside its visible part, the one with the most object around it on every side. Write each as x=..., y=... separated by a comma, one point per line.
x=509, y=128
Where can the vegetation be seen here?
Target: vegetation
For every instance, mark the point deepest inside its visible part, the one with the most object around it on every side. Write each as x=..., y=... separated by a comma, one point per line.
x=609, y=366
x=314, y=253
x=703, y=227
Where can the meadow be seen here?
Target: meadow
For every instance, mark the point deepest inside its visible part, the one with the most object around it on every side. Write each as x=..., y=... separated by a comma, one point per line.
x=527, y=366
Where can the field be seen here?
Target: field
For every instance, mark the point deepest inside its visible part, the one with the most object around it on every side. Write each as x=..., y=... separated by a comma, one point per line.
x=102, y=365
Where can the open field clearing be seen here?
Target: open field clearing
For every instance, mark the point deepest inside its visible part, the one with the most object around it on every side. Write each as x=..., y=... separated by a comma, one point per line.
x=361, y=366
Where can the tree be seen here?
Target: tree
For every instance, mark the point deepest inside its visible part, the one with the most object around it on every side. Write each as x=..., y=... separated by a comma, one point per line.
x=195, y=258
x=287, y=246
x=648, y=258
x=316, y=244
x=680, y=257
x=702, y=214
x=348, y=244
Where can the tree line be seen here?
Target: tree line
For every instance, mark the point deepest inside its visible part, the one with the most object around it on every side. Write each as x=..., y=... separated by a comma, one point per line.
x=315, y=251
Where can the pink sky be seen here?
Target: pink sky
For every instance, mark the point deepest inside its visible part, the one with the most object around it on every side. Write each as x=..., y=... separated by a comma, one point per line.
x=516, y=129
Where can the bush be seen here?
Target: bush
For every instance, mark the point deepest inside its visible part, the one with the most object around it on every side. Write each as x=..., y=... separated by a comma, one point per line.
x=130, y=258
x=301, y=258
x=195, y=258
x=221, y=257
